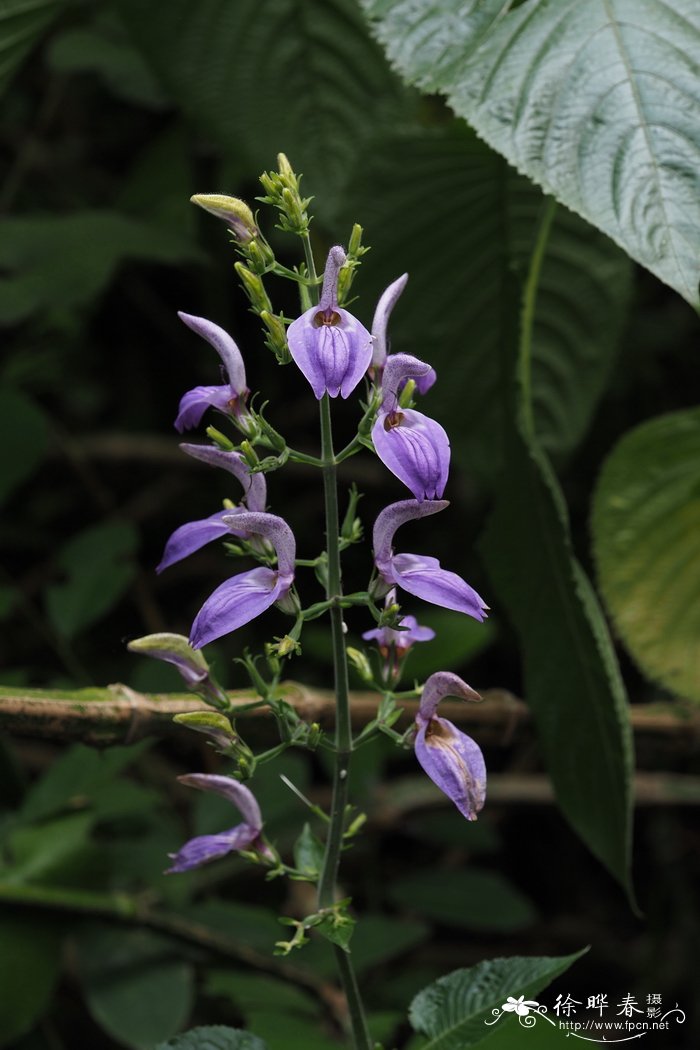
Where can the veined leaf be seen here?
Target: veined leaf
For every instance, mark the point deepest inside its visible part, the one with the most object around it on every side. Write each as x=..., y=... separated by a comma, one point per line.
x=214, y=1037
x=447, y=209
x=594, y=100
x=646, y=537
x=305, y=79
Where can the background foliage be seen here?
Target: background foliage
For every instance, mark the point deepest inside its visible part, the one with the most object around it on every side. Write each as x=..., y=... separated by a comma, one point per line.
x=555, y=355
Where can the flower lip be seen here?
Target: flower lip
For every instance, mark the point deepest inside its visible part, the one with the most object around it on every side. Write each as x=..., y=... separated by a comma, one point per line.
x=395, y=515
x=387, y=302
x=225, y=347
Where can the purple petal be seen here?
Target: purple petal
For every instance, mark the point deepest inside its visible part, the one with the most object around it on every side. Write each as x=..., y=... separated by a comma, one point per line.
x=454, y=762
x=390, y=519
x=236, y=602
x=232, y=790
x=423, y=576
x=195, y=402
x=386, y=304
x=192, y=536
x=440, y=685
x=332, y=349
x=254, y=485
x=225, y=348
x=401, y=640
x=424, y=383
x=329, y=293
x=205, y=848
x=415, y=448
x=274, y=529
x=397, y=369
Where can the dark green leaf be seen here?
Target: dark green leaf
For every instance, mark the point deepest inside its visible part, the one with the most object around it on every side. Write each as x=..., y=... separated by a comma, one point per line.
x=473, y=899
x=134, y=985
x=594, y=101
x=452, y=1011
x=39, y=850
x=308, y=852
x=472, y=222
x=572, y=680
x=646, y=536
x=288, y=1031
x=99, y=569
x=214, y=1037
x=29, y=965
x=22, y=24
x=306, y=79
x=23, y=438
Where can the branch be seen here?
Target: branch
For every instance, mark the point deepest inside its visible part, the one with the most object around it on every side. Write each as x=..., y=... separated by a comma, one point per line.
x=118, y=715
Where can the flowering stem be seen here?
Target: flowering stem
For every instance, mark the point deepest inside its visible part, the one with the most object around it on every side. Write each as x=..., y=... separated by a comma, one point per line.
x=343, y=728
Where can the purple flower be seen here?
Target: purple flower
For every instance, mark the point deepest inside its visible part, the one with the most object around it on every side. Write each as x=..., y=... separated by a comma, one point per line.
x=229, y=398
x=401, y=641
x=243, y=597
x=450, y=758
x=247, y=835
x=380, y=349
x=416, y=573
x=414, y=447
x=330, y=346
x=194, y=535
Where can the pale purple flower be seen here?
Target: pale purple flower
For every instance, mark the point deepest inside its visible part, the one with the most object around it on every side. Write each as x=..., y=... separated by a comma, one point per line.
x=330, y=346
x=450, y=758
x=380, y=343
x=420, y=574
x=247, y=595
x=194, y=535
x=388, y=638
x=228, y=398
x=414, y=447
x=247, y=835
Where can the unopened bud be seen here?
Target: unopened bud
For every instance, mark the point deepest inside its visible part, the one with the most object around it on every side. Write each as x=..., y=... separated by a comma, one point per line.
x=284, y=167
x=213, y=725
x=288, y=646
x=234, y=212
x=174, y=649
x=359, y=661
x=276, y=336
x=249, y=454
x=406, y=396
x=254, y=288
x=219, y=439
x=355, y=242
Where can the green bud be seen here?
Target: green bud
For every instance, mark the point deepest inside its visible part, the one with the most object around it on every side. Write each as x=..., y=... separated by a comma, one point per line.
x=219, y=439
x=254, y=288
x=359, y=821
x=314, y=736
x=407, y=393
x=276, y=336
x=213, y=725
x=249, y=454
x=360, y=662
x=259, y=255
x=234, y=212
x=285, y=168
x=355, y=242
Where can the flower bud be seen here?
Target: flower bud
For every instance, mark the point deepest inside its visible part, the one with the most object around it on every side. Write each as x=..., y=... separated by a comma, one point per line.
x=254, y=288
x=212, y=724
x=359, y=661
x=234, y=212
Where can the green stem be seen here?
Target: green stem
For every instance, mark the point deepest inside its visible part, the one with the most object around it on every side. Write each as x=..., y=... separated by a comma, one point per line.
x=528, y=317
x=343, y=728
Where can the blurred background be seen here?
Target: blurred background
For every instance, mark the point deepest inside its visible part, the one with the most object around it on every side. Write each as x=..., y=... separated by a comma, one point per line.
x=113, y=115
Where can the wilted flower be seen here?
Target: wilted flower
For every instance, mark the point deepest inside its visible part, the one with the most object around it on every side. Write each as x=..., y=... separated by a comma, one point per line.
x=417, y=573
x=229, y=398
x=450, y=758
x=194, y=535
x=330, y=346
x=380, y=343
x=247, y=595
x=414, y=447
x=247, y=835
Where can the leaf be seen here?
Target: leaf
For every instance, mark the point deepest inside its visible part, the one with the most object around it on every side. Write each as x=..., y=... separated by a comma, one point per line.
x=306, y=79
x=453, y=1010
x=289, y=1031
x=99, y=570
x=594, y=100
x=22, y=24
x=23, y=439
x=646, y=540
x=38, y=851
x=29, y=967
x=214, y=1037
x=471, y=899
x=472, y=222
x=308, y=852
x=134, y=986
x=58, y=263
x=571, y=678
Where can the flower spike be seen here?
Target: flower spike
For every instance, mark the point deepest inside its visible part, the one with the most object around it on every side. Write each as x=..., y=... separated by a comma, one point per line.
x=330, y=346
x=419, y=574
x=451, y=759
x=414, y=447
x=247, y=835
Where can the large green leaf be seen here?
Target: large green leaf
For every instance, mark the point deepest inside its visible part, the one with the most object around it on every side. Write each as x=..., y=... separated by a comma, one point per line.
x=214, y=1037
x=22, y=24
x=452, y=1011
x=646, y=535
x=471, y=899
x=447, y=209
x=306, y=78
x=595, y=100
x=29, y=964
